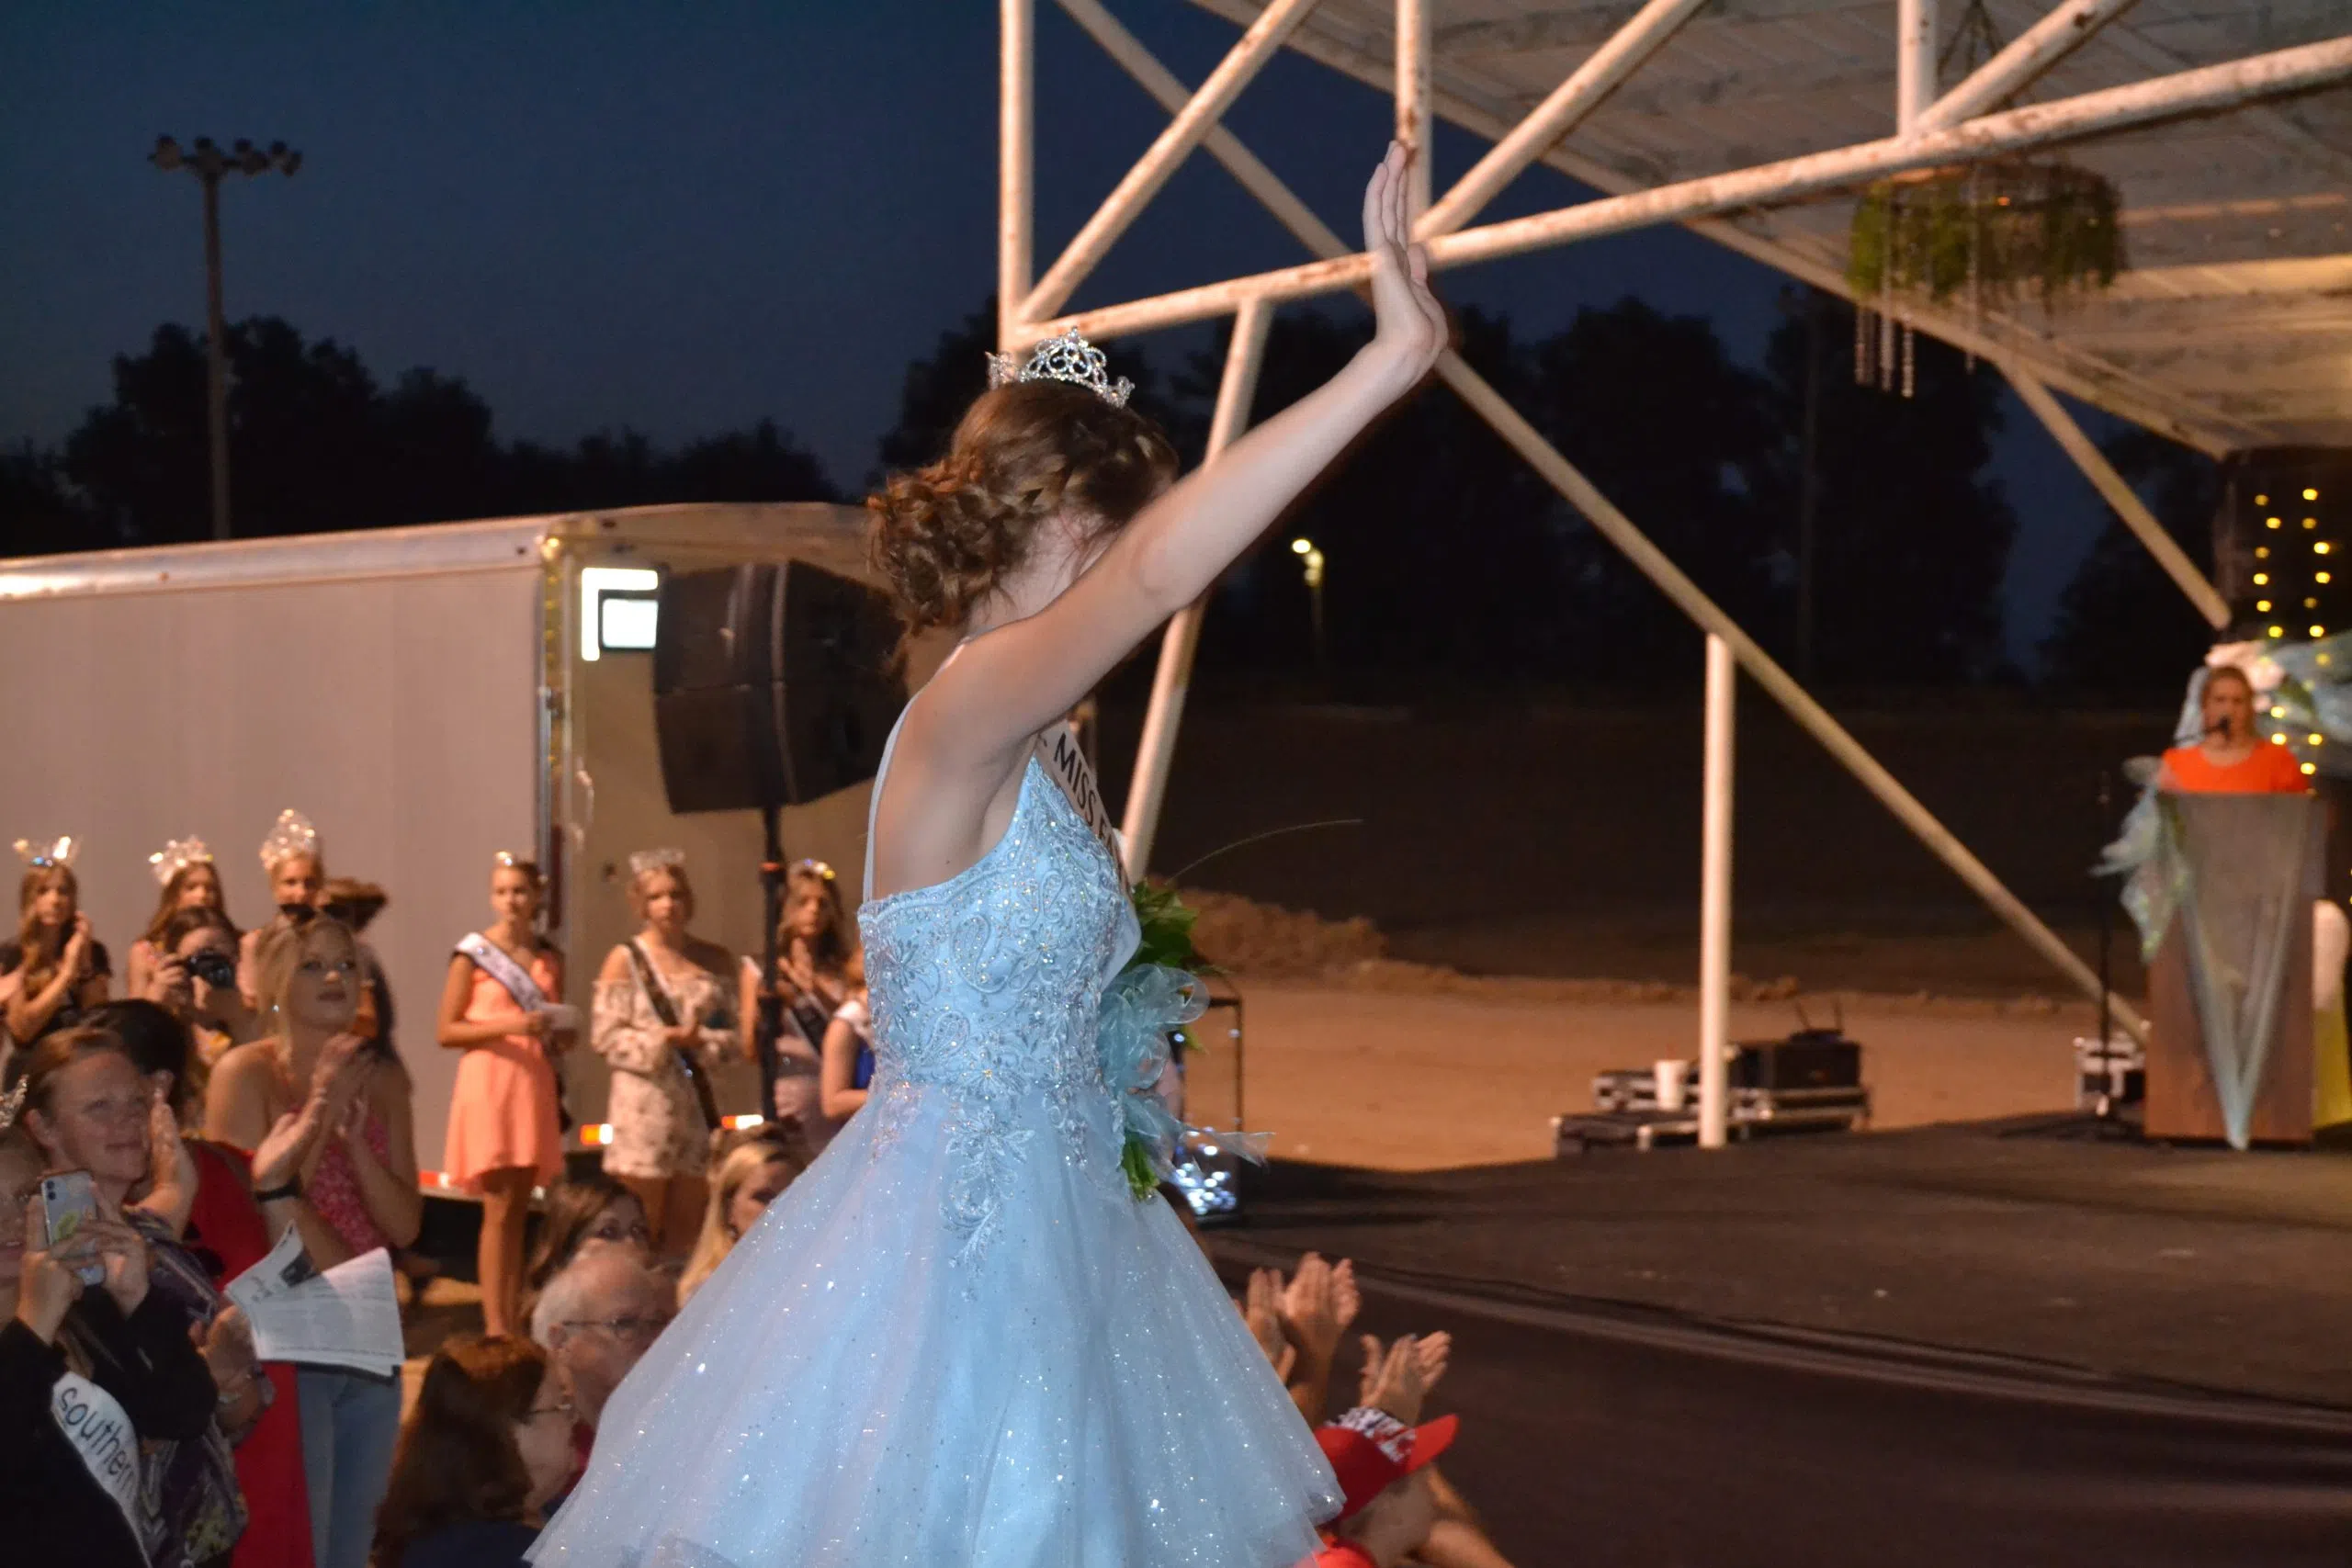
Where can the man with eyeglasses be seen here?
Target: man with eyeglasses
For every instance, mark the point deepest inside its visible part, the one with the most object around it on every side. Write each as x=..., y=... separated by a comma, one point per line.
x=595, y=1318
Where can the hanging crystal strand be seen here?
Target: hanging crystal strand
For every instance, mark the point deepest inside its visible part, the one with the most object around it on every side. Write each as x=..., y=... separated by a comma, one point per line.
x=1862, y=343
x=1885, y=338
x=1909, y=368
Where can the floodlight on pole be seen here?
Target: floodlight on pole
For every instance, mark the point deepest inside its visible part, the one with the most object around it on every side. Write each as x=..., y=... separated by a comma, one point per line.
x=210, y=163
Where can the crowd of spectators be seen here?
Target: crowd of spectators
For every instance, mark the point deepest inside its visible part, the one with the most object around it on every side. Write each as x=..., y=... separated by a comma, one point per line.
x=250, y=1086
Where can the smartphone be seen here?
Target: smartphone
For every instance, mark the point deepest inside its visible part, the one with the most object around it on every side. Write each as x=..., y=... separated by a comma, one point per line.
x=68, y=1202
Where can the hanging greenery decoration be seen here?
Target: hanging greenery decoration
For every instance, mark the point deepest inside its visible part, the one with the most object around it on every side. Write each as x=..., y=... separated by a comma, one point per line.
x=1992, y=230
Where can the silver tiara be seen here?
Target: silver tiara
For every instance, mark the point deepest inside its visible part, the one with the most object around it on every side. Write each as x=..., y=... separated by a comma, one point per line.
x=289, y=836
x=52, y=852
x=177, y=856
x=1068, y=357
x=644, y=860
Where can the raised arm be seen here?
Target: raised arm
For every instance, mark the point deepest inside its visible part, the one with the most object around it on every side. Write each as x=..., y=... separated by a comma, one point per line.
x=1004, y=688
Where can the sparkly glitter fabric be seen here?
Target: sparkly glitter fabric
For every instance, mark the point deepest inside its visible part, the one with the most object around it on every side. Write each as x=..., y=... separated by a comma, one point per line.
x=957, y=1340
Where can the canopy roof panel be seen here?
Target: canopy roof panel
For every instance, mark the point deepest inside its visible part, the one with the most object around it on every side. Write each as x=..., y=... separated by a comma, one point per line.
x=2234, y=327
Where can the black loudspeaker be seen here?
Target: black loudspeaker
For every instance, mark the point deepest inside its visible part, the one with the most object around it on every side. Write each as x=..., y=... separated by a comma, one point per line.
x=774, y=684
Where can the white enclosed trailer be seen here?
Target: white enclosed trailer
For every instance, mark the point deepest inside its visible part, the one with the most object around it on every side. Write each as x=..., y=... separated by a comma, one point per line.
x=427, y=697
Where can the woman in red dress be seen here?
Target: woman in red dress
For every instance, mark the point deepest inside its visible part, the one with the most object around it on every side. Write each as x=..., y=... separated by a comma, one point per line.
x=2232, y=757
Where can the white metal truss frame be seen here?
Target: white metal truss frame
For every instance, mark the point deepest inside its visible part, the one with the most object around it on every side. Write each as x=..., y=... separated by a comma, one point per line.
x=1942, y=132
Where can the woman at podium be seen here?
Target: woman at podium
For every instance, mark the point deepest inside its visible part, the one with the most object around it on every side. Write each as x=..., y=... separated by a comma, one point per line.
x=2230, y=756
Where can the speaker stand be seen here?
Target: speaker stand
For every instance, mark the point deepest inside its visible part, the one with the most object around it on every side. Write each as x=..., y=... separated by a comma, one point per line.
x=769, y=1027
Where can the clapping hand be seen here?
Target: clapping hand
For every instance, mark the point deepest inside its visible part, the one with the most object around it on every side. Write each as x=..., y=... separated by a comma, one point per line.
x=1262, y=1310
x=1430, y=1355
x=1394, y=1382
x=122, y=1252
x=1319, y=1302
x=1409, y=328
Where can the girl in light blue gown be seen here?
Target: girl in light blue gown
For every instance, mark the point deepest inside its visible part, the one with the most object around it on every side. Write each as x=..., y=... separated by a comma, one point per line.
x=962, y=1340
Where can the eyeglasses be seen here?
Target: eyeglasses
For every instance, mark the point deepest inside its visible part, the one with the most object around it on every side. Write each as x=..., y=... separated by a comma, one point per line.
x=622, y=1327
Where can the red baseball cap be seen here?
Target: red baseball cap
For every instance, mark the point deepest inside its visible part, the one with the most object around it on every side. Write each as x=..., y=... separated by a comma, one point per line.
x=1370, y=1450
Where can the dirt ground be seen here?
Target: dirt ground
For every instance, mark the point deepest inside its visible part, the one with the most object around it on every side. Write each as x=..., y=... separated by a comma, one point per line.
x=1405, y=1081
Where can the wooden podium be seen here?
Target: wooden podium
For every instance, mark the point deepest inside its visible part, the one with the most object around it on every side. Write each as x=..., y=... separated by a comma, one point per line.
x=2182, y=1100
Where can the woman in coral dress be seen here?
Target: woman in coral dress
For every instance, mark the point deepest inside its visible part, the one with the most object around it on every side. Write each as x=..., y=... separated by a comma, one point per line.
x=502, y=1006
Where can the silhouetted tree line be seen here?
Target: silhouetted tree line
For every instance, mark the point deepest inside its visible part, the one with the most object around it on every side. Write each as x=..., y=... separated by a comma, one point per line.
x=1446, y=554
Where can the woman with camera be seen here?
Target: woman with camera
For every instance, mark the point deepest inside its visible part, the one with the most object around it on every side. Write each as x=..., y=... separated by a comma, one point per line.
x=59, y=969
x=190, y=881
x=502, y=1006
x=193, y=974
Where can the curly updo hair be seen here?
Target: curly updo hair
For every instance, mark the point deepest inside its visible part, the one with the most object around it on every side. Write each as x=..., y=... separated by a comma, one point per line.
x=944, y=536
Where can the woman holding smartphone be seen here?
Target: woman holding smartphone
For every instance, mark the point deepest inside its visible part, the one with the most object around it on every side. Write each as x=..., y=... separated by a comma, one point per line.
x=502, y=1007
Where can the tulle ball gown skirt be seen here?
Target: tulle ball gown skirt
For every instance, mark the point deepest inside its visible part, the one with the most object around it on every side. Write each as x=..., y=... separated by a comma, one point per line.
x=957, y=1347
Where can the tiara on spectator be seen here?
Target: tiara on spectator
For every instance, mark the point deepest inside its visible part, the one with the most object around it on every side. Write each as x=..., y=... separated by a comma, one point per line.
x=644, y=860
x=292, y=835
x=56, y=851
x=507, y=857
x=177, y=856
x=11, y=1104
x=1068, y=357
x=816, y=868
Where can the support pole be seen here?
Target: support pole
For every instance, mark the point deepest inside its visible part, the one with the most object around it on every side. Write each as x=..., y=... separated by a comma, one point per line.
x=1914, y=63
x=1556, y=115
x=1258, y=44
x=1015, y=153
x=2207, y=89
x=1156, y=752
x=1648, y=558
x=216, y=358
x=2122, y=498
x=1414, y=129
x=1714, y=898
x=2033, y=51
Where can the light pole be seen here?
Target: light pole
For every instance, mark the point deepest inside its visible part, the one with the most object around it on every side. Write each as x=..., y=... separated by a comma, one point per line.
x=208, y=163
x=1312, y=560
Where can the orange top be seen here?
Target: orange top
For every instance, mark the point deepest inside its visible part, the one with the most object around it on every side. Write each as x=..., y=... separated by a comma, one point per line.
x=2271, y=770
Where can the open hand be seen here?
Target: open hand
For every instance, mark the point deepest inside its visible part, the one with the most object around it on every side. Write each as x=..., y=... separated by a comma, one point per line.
x=1261, y=1309
x=1409, y=328
x=1310, y=1310
x=278, y=1158
x=1393, y=1379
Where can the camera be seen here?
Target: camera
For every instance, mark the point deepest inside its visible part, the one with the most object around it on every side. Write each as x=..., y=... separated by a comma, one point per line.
x=212, y=966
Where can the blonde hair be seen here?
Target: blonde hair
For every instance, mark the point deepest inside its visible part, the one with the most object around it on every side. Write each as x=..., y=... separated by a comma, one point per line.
x=640, y=891
x=281, y=956
x=736, y=1170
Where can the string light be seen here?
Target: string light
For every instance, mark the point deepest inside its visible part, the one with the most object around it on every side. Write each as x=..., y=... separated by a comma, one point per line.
x=2278, y=631
x=2311, y=767
x=2310, y=603
x=2272, y=523
x=2262, y=501
x=2311, y=495
x=2322, y=547
x=2321, y=576
x=2311, y=522
x=2262, y=552
x=2319, y=739
x=2318, y=631
x=2279, y=738
x=2262, y=580
x=2278, y=713
x=2262, y=604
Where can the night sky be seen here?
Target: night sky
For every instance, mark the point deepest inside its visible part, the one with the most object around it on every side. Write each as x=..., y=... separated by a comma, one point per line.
x=686, y=219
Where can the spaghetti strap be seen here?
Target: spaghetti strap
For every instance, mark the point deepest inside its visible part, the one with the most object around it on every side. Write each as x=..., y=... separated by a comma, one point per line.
x=874, y=804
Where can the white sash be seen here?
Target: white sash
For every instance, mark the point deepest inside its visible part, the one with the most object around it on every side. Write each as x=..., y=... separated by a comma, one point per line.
x=493, y=962
x=1065, y=761
x=103, y=1438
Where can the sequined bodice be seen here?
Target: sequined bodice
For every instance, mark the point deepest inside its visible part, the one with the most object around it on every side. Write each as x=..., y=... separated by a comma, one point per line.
x=985, y=989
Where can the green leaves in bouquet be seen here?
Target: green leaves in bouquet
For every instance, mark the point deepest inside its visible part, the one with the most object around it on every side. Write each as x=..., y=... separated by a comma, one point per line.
x=1167, y=930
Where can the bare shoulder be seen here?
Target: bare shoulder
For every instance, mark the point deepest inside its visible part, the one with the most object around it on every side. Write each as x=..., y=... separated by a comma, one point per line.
x=244, y=1067
x=616, y=967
